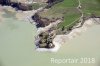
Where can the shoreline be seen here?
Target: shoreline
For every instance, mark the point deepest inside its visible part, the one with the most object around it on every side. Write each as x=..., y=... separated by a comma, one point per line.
x=61, y=39
x=83, y=25
x=58, y=40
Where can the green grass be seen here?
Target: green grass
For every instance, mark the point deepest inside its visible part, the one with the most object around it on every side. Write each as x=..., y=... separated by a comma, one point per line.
x=69, y=20
x=37, y=5
x=67, y=3
x=68, y=10
x=91, y=7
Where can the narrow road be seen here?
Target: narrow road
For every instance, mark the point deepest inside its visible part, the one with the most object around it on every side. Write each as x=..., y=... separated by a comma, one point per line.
x=80, y=10
x=79, y=7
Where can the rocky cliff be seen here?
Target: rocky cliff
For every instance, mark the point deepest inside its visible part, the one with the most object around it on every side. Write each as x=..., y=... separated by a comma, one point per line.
x=16, y=5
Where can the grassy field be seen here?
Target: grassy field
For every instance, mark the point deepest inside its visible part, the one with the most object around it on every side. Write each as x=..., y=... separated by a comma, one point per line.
x=68, y=10
x=37, y=5
x=91, y=7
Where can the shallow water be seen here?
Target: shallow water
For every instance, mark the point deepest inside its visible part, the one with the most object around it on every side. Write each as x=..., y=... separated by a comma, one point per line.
x=16, y=43
x=17, y=46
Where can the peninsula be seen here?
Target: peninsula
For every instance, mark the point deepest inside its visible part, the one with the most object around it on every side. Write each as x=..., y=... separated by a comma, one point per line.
x=57, y=21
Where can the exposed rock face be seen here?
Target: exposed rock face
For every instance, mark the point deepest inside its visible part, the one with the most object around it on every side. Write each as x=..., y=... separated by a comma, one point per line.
x=17, y=5
x=45, y=21
x=42, y=22
x=5, y=2
x=44, y=1
x=21, y=6
x=53, y=2
x=45, y=40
